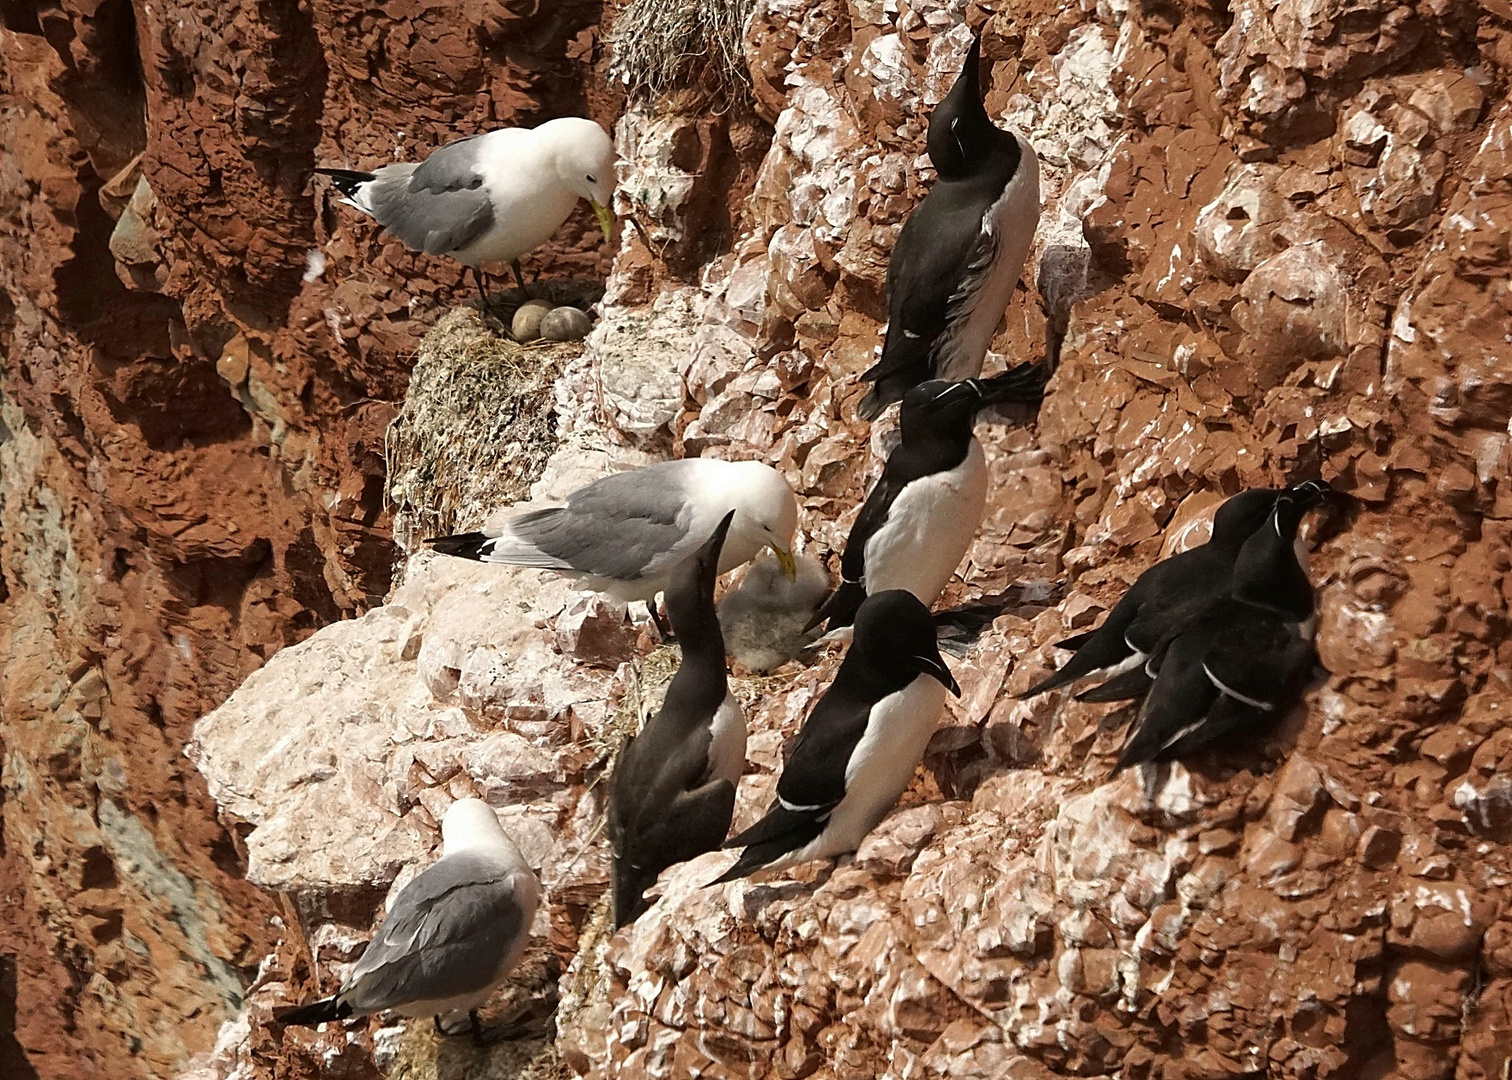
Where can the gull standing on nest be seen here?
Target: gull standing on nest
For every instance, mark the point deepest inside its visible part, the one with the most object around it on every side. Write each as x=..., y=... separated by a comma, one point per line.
x=492, y=197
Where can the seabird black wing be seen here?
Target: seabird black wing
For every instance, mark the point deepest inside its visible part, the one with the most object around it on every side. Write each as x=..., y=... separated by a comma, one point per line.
x=812, y=782
x=940, y=250
x=841, y=606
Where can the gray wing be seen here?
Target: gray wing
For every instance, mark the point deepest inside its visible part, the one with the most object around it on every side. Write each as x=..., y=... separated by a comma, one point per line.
x=623, y=526
x=437, y=206
x=447, y=935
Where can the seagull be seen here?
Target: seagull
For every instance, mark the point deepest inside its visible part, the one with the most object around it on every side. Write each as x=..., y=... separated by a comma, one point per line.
x=672, y=792
x=860, y=746
x=450, y=936
x=1129, y=633
x=492, y=197
x=626, y=534
x=921, y=516
x=1238, y=662
x=961, y=251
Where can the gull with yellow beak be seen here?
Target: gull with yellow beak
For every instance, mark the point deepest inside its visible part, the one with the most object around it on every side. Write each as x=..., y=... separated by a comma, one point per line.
x=626, y=534
x=493, y=197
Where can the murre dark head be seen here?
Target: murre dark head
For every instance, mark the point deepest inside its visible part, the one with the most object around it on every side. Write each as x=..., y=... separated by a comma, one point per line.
x=690, y=593
x=1266, y=572
x=894, y=632
x=1239, y=517
x=939, y=409
x=962, y=137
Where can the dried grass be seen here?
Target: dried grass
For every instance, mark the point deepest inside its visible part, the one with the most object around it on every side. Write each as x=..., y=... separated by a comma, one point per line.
x=479, y=420
x=657, y=47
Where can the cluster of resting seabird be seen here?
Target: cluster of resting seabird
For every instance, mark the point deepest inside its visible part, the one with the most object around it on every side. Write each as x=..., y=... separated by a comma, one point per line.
x=1213, y=642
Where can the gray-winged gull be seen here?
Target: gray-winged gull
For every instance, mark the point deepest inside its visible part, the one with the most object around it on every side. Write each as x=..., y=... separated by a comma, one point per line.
x=451, y=935
x=492, y=197
x=624, y=535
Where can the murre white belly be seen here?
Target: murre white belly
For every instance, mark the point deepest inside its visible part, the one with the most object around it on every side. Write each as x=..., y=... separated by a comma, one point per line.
x=929, y=528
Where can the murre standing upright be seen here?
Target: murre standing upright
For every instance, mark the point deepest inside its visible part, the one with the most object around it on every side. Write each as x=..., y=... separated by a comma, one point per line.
x=922, y=514
x=673, y=788
x=961, y=251
x=859, y=747
x=1240, y=660
x=1129, y=633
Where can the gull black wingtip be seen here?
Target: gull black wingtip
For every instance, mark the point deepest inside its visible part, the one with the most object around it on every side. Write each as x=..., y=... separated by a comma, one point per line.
x=312, y=1013
x=463, y=545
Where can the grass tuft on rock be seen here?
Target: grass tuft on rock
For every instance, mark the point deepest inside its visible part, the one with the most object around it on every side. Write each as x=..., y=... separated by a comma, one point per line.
x=656, y=47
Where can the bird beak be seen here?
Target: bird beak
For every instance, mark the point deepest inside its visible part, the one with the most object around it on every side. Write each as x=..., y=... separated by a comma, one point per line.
x=935, y=668
x=605, y=218
x=786, y=561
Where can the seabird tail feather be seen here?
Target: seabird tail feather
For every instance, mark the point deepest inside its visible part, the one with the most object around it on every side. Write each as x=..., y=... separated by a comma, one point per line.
x=313, y=1012
x=1024, y=383
x=349, y=182
x=780, y=833
x=472, y=545
x=1133, y=683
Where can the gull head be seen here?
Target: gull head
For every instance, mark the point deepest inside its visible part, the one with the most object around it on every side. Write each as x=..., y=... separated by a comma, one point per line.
x=766, y=516
x=471, y=824
x=584, y=158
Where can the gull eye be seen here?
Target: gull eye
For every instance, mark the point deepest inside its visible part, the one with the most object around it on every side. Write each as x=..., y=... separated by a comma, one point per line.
x=593, y=179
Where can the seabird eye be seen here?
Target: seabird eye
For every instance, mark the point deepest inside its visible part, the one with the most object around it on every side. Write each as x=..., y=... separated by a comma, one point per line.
x=593, y=179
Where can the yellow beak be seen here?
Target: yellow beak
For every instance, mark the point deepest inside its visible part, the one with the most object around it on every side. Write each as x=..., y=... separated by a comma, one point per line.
x=605, y=218
x=786, y=561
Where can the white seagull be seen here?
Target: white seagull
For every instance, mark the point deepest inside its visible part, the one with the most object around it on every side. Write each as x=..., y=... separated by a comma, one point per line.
x=625, y=534
x=450, y=937
x=492, y=197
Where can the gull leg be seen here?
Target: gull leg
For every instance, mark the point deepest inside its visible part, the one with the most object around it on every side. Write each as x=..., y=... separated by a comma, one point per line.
x=520, y=277
x=662, y=628
x=441, y=1028
x=482, y=286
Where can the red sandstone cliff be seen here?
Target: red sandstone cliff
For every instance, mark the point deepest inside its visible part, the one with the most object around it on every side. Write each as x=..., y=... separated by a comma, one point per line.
x=1275, y=239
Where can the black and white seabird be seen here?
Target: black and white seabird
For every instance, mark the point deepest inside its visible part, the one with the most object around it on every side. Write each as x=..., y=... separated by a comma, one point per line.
x=626, y=534
x=672, y=792
x=1129, y=633
x=961, y=251
x=1239, y=661
x=921, y=516
x=859, y=747
x=450, y=937
x=492, y=197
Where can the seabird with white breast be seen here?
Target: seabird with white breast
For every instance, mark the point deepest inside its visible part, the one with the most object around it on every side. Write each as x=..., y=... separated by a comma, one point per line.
x=961, y=251
x=492, y=197
x=672, y=792
x=1238, y=662
x=860, y=746
x=921, y=516
x=451, y=935
x=626, y=534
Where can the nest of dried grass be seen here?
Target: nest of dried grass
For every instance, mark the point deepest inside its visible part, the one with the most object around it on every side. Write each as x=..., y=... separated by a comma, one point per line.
x=478, y=423
x=656, y=47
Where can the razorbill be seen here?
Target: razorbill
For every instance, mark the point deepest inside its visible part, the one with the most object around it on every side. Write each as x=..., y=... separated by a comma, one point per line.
x=625, y=534
x=961, y=251
x=1237, y=662
x=921, y=516
x=492, y=197
x=673, y=788
x=860, y=745
x=1135, y=624
x=450, y=936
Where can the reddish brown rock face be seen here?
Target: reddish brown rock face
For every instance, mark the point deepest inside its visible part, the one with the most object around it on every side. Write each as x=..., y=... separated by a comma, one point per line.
x=1274, y=245
x=191, y=452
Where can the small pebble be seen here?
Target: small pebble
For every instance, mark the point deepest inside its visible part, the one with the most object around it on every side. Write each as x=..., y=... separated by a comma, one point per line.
x=565, y=324
x=526, y=324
